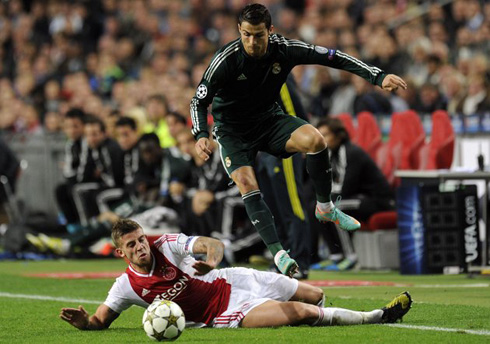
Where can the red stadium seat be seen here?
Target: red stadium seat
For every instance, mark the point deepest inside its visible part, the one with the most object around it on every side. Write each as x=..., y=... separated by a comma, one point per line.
x=348, y=122
x=368, y=133
x=438, y=153
x=383, y=220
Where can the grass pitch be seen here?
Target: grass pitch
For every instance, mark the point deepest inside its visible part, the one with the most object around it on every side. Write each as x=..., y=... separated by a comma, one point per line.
x=446, y=309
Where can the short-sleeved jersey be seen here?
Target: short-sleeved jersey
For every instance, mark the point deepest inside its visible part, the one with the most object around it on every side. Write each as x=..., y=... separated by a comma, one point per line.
x=202, y=298
x=244, y=90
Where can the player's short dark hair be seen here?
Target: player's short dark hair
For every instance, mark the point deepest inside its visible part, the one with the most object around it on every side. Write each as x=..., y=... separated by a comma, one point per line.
x=255, y=14
x=337, y=127
x=91, y=119
x=126, y=122
x=121, y=228
x=150, y=137
x=75, y=113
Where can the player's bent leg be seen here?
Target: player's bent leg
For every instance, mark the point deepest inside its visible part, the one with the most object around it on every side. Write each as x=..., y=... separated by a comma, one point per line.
x=275, y=313
x=309, y=294
x=244, y=178
x=306, y=139
x=262, y=219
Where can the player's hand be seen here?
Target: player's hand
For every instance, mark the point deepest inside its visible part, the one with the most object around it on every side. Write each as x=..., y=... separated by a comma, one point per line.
x=391, y=82
x=202, y=268
x=77, y=317
x=203, y=148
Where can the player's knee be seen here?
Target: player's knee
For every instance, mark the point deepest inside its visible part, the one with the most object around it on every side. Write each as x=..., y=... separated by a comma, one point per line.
x=317, y=296
x=314, y=142
x=246, y=182
x=317, y=142
x=306, y=313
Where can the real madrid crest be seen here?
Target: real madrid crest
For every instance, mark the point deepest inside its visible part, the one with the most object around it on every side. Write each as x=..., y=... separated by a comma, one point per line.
x=276, y=68
x=227, y=161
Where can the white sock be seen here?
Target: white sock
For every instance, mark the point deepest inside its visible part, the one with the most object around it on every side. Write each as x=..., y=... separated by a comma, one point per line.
x=332, y=316
x=321, y=303
x=325, y=207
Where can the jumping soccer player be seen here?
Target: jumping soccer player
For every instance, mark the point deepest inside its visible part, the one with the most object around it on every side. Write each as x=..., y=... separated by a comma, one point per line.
x=232, y=297
x=243, y=81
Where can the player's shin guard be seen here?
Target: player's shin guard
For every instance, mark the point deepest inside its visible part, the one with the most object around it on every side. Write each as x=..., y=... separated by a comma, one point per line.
x=332, y=316
x=318, y=166
x=262, y=219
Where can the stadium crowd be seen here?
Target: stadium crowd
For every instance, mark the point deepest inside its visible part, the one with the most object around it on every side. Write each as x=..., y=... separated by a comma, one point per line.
x=127, y=70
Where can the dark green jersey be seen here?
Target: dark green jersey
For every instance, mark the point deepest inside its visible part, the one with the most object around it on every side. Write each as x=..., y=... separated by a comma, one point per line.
x=244, y=90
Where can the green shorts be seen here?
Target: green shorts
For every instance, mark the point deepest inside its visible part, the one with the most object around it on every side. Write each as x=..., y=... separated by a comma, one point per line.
x=269, y=136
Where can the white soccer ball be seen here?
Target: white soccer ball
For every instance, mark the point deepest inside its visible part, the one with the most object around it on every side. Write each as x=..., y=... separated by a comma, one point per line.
x=163, y=320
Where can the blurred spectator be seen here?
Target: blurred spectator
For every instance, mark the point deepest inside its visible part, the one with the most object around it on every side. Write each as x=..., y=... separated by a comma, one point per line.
x=176, y=122
x=369, y=99
x=75, y=147
x=101, y=168
x=9, y=167
x=52, y=123
x=157, y=109
x=206, y=190
x=477, y=100
x=127, y=136
x=430, y=99
x=163, y=175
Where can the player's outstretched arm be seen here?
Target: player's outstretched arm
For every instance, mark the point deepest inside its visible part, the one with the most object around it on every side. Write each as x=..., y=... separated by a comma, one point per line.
x=79, y=317
x=391, y=82
x=214, y=254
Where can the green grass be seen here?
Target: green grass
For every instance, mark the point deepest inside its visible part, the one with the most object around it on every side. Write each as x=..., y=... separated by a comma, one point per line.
x=440, y=301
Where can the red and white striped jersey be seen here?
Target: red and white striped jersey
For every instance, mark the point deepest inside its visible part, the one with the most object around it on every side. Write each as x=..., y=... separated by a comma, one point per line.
x=202, y=298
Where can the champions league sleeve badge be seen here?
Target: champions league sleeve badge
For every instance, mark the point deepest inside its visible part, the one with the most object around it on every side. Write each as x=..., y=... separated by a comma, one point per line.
x=202, y=91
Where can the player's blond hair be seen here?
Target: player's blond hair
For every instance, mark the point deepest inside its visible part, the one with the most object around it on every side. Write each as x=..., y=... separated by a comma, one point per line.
x=123, y=227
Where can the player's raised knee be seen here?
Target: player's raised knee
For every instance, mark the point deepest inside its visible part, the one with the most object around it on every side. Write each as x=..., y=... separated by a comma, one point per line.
x=315, y=142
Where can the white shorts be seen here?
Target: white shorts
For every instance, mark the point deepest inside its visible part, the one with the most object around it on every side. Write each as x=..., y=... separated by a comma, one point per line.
x=251, y=288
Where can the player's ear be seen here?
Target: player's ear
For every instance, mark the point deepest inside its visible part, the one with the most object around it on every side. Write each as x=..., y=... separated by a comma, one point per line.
x=120, y=253
x=271, y=29
x=239, y=28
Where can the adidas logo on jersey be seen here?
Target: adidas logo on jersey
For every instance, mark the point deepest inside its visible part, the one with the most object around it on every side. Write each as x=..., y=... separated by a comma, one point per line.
x=242, y=77
x=145, y=292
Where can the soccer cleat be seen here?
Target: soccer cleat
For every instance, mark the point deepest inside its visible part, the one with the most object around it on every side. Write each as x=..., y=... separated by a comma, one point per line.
x=36, y=242
x=346, y=264
x=285, y=263
x=397, y=308
x=55, y=245
x=338, y=217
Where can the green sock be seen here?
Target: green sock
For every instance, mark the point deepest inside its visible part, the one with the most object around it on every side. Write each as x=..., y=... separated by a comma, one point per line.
x=318, y=166
x=262, y=219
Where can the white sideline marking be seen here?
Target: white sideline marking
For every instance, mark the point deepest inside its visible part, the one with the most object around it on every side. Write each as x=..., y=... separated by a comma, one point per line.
x=47, y=298
x=474, y=285
x=441, y=329
x=469, y=285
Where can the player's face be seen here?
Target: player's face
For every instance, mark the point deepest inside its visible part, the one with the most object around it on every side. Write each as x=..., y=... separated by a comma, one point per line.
x=126, y=137
x=255, y=38
x=332, y=141
x=135, y=247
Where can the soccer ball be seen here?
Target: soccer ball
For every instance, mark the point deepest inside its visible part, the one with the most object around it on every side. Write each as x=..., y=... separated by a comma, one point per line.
x=163, y=320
